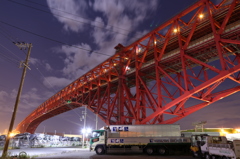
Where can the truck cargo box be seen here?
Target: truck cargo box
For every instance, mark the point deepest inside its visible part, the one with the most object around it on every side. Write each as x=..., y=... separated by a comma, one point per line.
x=147, y=140
x=145, y=130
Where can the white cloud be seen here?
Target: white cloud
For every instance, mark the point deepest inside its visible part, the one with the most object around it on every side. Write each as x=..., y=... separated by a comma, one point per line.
x=116, y=20
x=48, y=67
x=37, y=62
x=53, y=82
x=121, y=12
x=13, y=93
x=69, y=13
x=3, y=95
x=33, y=61
x=31, y=95
x=138, y=35
x=124, y=16
x=30, y=99
x=77, y=61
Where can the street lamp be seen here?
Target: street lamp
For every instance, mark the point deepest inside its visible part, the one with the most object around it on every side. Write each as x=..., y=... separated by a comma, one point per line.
x=85, y=132
x=84, y=125
x=89, y=130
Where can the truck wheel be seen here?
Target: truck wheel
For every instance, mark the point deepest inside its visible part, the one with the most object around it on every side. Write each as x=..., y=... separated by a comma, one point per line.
x=224, y=157
x=194, y=154
x=162, y=151
x=149, y=150
x=100, y=150
x=207, y=156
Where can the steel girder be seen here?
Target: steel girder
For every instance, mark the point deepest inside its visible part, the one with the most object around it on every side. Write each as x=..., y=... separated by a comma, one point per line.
x=176, y=69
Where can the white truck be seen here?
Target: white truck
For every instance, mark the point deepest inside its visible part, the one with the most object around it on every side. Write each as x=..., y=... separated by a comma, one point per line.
x=161, y=139
x=212, y=147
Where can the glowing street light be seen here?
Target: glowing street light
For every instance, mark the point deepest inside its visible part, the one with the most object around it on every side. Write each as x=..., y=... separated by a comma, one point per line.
x=83, y=131
x=86, y=131
x=12, y=134
x=89, y=130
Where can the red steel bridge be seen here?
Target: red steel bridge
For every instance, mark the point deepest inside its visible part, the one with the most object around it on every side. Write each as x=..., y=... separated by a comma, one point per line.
x=176, y=69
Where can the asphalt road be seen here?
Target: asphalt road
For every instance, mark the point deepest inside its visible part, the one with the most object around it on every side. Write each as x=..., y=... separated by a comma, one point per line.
x=79, y=153
x=115, y=156
x=91, y=155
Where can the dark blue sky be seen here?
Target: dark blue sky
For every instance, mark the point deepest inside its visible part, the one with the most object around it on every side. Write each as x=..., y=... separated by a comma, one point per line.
x=51, y=26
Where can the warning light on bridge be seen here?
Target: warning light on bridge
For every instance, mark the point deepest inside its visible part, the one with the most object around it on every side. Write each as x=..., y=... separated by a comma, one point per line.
x=200, y=16
x=139, y=50
x=175, y=30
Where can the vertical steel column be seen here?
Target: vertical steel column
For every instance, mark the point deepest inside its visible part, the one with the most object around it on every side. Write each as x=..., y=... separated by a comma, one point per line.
x=216, y=36
x=137, y=106
x=120, y=90
x=158, y=79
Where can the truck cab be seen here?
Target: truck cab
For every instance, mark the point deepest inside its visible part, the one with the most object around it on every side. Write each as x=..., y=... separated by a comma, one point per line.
x=97, y=141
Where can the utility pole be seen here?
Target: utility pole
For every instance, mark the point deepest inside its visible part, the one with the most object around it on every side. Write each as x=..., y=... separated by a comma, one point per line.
x=96, y=120
x=25, y=66
x=43, y=129
x=84, y=125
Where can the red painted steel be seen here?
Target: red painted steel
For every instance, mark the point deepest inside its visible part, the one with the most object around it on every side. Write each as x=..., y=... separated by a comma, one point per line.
x=176, y=69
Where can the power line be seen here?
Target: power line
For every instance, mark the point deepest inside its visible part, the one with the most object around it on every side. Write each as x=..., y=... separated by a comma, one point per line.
x=54, y=39
x=6, y=36
x=46, y=79
x=40, y=82
x=11, y=53
x=11, y=38
x=13, y=61
x=65, y=17
x=77, y=15
x=56, y=91
x=9, y=59
x=9, y=35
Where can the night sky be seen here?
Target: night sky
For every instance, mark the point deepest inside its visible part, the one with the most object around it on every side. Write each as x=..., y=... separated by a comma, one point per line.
x=69, y=38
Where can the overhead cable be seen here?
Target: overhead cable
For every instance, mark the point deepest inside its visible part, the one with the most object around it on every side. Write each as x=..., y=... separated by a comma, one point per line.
x=100, y=22
x=67, y=17
x=57, y=41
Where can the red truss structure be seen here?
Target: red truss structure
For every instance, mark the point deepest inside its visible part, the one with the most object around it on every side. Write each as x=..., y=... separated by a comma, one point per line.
x=176, y=69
